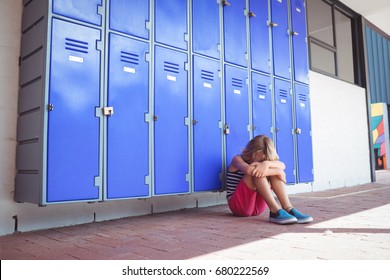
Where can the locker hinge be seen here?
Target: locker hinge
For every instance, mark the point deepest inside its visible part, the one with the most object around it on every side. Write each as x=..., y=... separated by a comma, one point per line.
x=147, y=25
x=148, y=57
x=249, y=128
x=148, y=118
x=187, y=121
x=98, y=182
x=186, y=67
x=188, y=177
x=186, y=37
x=148, y=180
x=100, y=10
x=99, y=45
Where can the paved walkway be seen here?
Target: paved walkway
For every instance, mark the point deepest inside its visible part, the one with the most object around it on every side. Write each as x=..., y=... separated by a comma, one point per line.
x=350, y=223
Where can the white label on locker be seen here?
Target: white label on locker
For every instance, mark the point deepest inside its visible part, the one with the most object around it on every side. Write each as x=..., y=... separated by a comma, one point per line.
x=298, y=10
x=280, y=1
x=261, y=96
x=303, y=105
x=129, y=69
x=236, y=91
x=207, y=85
x=171, y=78
x=284, y=101
x=76, y=59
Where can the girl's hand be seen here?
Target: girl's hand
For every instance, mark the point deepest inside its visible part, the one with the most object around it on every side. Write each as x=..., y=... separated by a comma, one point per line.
x=282, y=176
x=259, y=168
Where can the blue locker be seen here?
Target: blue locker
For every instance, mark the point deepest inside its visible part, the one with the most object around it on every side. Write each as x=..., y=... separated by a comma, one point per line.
x=298, y=19
x=171, y=23
x=237, y=111
x=130, y=17
x=259, y=32
x=303, y=132
x=206, y=125
x=127, y=131
x=262, y=104
x=73, y=128
x=85, y=10
x=280, y=38
x=234, y=30
x=205, y=27
x=284, y=126
x=170, y=130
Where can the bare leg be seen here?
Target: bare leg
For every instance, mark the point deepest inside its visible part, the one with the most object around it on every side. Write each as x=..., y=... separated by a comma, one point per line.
x=279, y=189
x=263, y=187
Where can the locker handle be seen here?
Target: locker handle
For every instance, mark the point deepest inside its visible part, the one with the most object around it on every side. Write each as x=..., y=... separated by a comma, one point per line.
x=273, y=24
x=294, y=33
x=251, y=14
x=298, y=131
x=226, y=3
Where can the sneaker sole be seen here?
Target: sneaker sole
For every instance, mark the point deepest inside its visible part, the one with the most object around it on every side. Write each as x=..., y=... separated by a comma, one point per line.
x=305, y=221
x=283, y=222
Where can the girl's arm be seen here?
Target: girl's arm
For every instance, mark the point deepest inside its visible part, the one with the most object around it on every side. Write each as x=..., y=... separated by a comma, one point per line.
x=239, y=164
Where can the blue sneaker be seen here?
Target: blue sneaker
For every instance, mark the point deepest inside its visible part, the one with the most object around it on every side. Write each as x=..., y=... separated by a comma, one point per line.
x=282, y=217
x=302, y=218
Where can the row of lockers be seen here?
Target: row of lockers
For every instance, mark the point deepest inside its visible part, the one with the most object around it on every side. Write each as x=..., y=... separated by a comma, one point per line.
x=132, y=119
x=267, y=21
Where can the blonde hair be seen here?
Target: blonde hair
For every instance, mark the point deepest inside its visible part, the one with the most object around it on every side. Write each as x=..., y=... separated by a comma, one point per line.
x=259, y=143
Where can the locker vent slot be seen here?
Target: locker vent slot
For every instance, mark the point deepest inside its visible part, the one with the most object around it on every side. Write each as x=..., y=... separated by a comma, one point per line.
x=262, y=89
x=129, y=58
x=283, y=93
x=302, y=97
x=171, y=67
x=76, y=45
x=298, y=5
x=207, y=75
x=236, y=82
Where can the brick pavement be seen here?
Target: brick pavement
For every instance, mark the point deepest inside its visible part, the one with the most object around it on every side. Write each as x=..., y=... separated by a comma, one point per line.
x=350, y=223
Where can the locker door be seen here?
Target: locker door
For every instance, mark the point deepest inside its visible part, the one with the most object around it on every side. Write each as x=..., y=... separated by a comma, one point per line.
x=73, y=128
x=130, y=17
x=86, y=10
x=298, y=19
x=234, y=30
x=171, y=23
x=280, y=38
x=206, y=125
x=171, y=132
x=237, y=111
x=259, y=32
x=303, y=131
x=127, y=132
x=262, y=104
x=205, y=27
x=284, y=127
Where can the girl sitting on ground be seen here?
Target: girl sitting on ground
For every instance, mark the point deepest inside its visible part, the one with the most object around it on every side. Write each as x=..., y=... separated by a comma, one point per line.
x=251, y=178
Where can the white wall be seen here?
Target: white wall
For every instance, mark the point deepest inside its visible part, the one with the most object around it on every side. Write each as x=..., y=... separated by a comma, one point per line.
x=340, y=145
x=340, y=133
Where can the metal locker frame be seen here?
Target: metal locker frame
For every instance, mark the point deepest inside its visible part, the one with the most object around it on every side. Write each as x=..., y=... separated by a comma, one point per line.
x=299, y=41
x=127, y=19
x=259, y=35
x=127, y=139
x=284, y=126
x=207, y=124
x=235, y=40
x=89, y=11
x=171, y=23
x=205, y=28
x=171, y=122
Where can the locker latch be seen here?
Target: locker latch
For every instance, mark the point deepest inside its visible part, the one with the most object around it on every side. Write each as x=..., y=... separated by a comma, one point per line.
x=298, y=131
x=251, y=14
x=294, y=33
x=272, y=24
x=226, y=129
x=108, y=111
x=225, y=3
x=50, y=107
